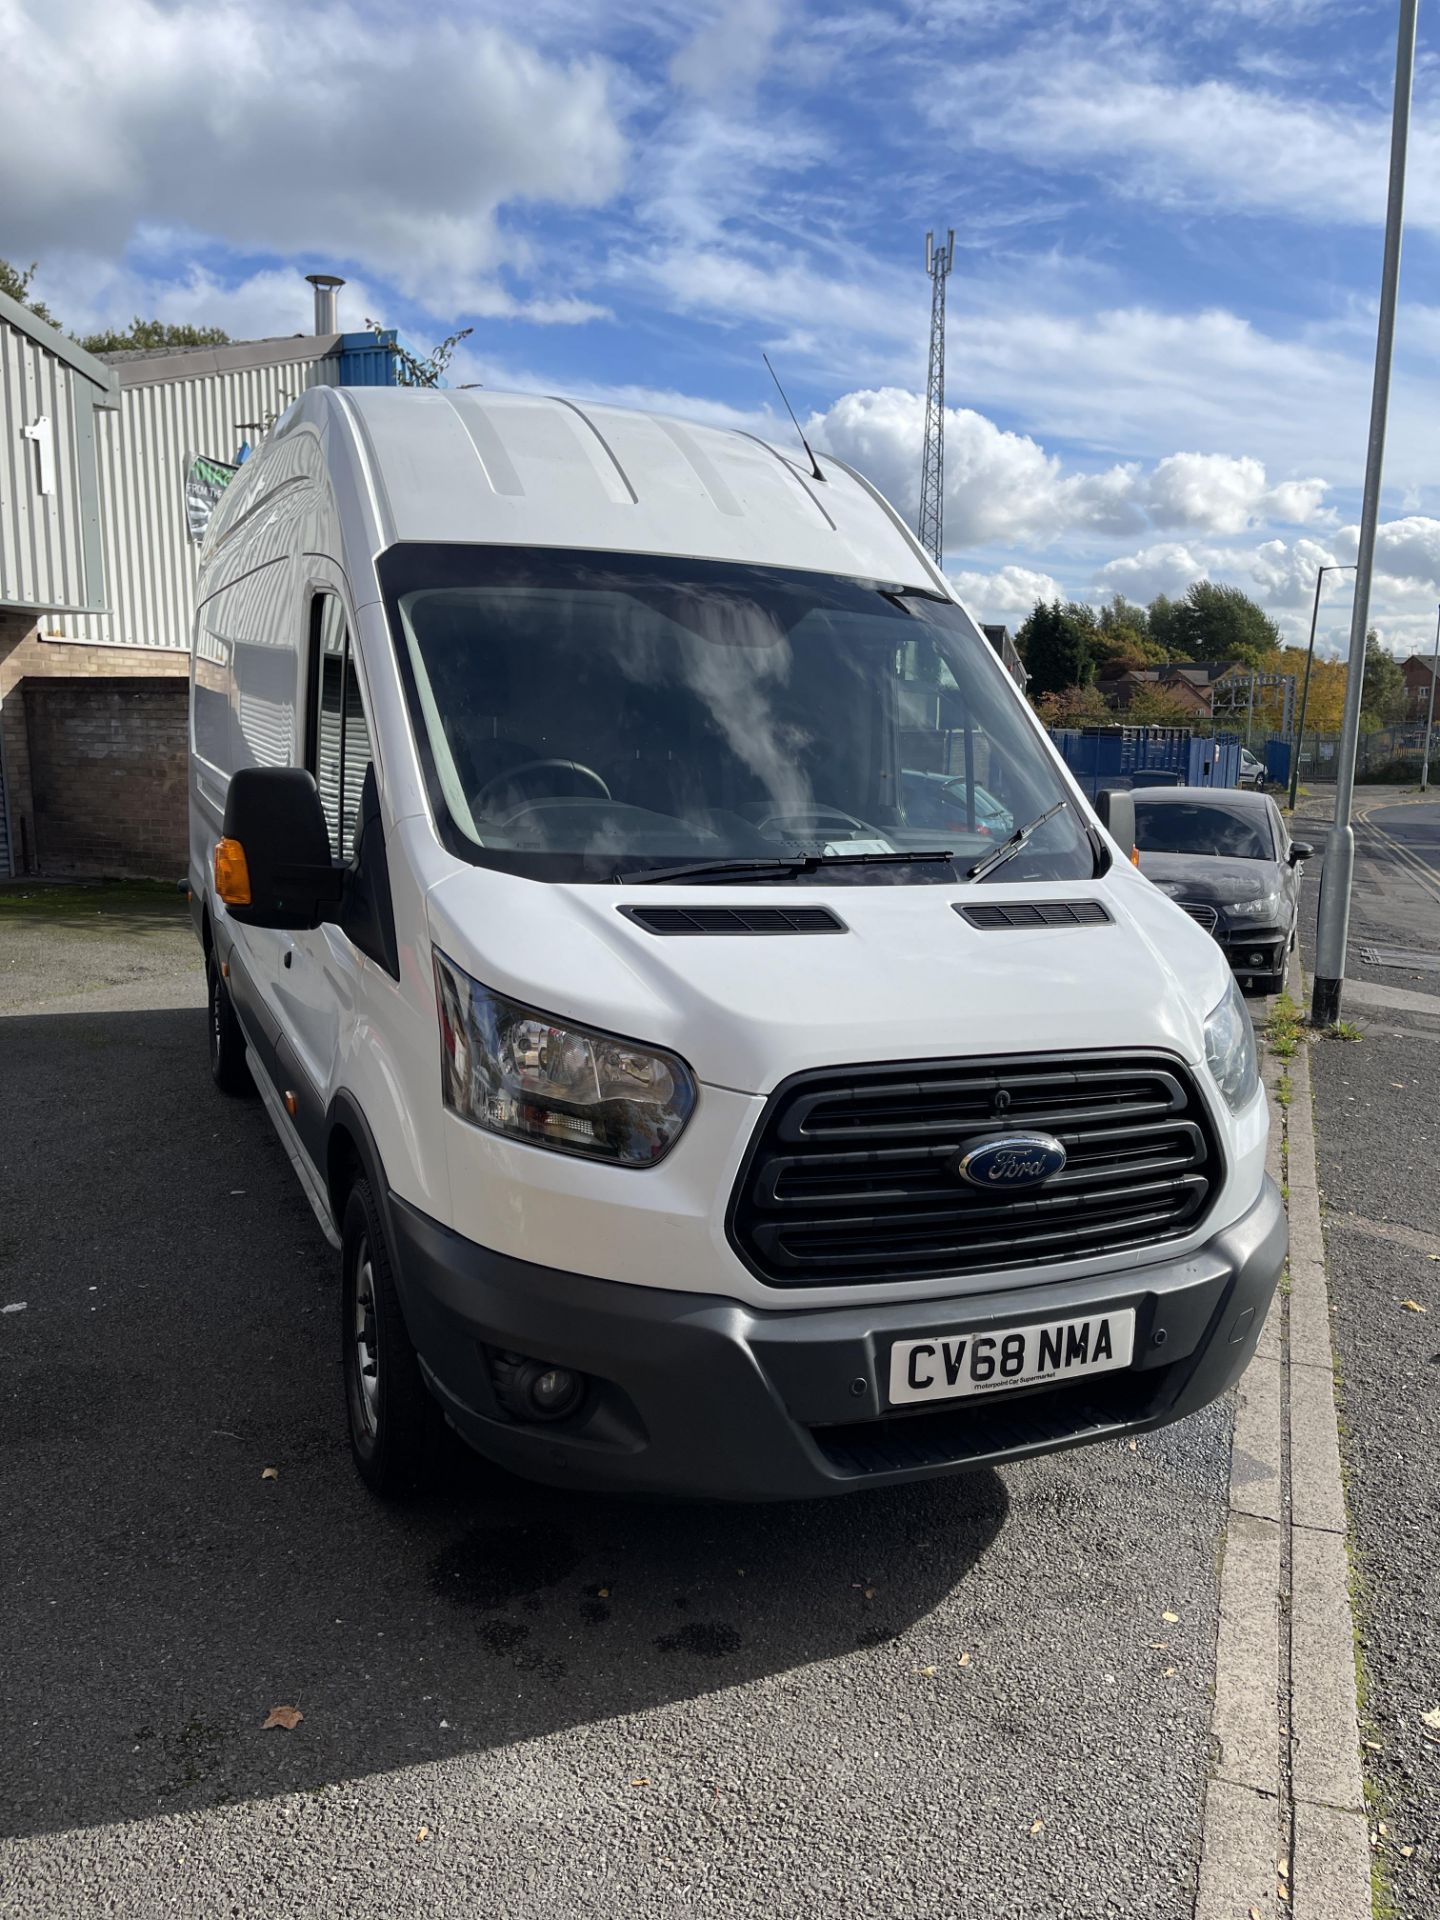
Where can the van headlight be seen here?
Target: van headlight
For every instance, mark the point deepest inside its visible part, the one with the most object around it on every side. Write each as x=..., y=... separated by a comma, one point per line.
x=1230, y=1050
x=513, y=1071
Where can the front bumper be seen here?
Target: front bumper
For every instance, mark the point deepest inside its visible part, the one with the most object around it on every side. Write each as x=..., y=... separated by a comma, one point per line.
x=695, y=1395
x=1241, y=944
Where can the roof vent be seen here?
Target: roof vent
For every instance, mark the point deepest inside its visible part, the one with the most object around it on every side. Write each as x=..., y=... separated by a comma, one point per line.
x=1038, y=913
x=327, y=307
x=690, y=920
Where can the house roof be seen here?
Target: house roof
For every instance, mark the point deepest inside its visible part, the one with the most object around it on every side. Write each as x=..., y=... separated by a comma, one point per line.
x=146, y=366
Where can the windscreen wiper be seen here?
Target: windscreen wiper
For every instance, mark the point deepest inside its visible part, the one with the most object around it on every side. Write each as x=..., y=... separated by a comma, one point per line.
x=720, y=870
x=1008, y=849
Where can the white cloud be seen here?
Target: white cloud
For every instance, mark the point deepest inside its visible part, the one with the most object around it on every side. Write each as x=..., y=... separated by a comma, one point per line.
x=320, y=133
x=732, y=48
x=1175, y=142
x=1007, y=595
x=1281, y=576
x=1004, y=488
x=1226, y=495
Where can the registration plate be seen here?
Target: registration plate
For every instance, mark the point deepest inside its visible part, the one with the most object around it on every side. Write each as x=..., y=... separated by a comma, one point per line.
x=947, y=1366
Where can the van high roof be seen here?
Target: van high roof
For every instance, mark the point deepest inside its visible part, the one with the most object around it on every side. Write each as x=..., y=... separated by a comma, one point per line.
x=525, y=470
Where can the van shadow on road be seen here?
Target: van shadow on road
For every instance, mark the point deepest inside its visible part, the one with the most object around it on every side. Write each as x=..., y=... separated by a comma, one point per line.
x=178, y=1336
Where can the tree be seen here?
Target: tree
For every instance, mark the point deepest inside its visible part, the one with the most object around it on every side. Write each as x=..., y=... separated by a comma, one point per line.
x=1382, y=691
x=1167, y=627
x=1074, y=707
x=153, y=333
x=1154, y=707
x=1055, y=644
x=1125, y=613
x=16, y=282
x=1217, y=622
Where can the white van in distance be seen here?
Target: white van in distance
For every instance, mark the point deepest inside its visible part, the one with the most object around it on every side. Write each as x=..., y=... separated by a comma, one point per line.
x=705, y=1092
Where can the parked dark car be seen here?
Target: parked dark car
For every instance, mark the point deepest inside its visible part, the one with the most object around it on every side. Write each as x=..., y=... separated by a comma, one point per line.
x=1227, y=858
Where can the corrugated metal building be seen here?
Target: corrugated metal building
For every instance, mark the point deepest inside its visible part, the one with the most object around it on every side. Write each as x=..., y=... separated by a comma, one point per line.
x=175, y=404
x=55, y=400
x=97, y=576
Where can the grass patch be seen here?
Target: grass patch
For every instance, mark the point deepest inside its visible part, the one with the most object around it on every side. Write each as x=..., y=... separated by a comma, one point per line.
x=1341, y=1030
x=1283, y=1031
x=30, y=898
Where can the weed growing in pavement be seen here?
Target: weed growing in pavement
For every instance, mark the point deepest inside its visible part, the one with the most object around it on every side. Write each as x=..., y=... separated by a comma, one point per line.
x=1341, y=1030
x=1284, y=1091
x=1283, y=1031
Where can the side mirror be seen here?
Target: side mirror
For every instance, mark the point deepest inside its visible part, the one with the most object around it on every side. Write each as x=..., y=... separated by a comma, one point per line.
x=273, y=866
x=1300, y=850
x=1116, y=809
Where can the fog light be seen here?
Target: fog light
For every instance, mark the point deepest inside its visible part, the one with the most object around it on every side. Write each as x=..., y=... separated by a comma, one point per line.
x=534, y=1390
x=1257, y=959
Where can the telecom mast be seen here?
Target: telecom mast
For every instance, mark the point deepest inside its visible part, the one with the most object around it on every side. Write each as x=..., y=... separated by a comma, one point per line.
x=938, y=262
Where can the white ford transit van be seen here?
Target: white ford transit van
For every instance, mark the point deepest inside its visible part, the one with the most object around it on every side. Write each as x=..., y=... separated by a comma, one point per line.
x=705, y=1089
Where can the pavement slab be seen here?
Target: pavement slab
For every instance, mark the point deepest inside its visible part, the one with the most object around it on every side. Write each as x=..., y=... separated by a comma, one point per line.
x=1377, y=1132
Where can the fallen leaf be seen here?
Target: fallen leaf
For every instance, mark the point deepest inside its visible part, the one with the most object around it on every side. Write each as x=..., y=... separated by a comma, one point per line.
x=1170, y=1672
x=1254, y=1913
x=1134, y=1446
x=1282, y=1867
x=1382, y=1829
x=1038, y=1827
x=1413, y=1306
x=1432, y=1718
x=964, y=1660
x=270, y=1473
x=869, y=1593
x=927, y=1671
x=1159, y=1646
x=1171, y=1619
x=1374, y=1746
x=423, y=1834
x=1282, y=1893
x=287, y=1717
x=602, y=1593
x=1406, y=1852
x=643, y=1781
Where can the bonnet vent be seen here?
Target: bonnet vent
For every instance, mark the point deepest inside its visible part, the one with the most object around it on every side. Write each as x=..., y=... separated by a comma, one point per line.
x=677, y=920
x=1038, y=913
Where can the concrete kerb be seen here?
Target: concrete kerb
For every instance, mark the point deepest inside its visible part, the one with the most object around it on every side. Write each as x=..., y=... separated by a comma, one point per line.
x=1284, y=1824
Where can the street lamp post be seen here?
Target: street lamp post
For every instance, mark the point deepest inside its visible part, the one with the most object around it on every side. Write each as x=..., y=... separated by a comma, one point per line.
x=1334, y=567
x=1332, y=931
x=1430, y=711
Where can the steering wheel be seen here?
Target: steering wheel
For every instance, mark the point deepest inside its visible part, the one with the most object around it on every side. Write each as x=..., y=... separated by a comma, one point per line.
x=585, y=778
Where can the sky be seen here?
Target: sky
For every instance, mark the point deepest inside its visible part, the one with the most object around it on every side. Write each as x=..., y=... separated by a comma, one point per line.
x=1168, y=223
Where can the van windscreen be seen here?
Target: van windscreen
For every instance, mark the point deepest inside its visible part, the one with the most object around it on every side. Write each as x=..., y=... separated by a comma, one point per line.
x=579, y=714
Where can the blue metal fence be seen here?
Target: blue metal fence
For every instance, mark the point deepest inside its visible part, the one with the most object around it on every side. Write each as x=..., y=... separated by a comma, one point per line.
x=1147, y=757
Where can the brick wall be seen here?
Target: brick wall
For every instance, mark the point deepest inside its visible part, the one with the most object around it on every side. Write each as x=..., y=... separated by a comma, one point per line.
x=93, y=742
x=108, y=776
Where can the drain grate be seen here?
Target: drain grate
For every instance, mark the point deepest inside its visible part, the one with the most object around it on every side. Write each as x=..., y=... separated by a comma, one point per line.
x=1414, y=959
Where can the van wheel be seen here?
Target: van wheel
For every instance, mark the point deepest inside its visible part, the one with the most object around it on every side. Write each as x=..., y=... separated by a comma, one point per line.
x=228, y=1068
x=394, y=1422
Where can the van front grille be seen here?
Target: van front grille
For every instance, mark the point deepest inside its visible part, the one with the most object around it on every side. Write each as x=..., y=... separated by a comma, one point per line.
x=852, y=1175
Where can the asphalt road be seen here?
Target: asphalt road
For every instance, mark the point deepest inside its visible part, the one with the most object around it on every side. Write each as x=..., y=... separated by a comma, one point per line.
x=1377, y=1109
x=959, y=1699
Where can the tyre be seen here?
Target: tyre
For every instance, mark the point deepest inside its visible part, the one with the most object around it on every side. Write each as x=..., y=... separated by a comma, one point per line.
x=394, y=1422
x=228, y=1067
